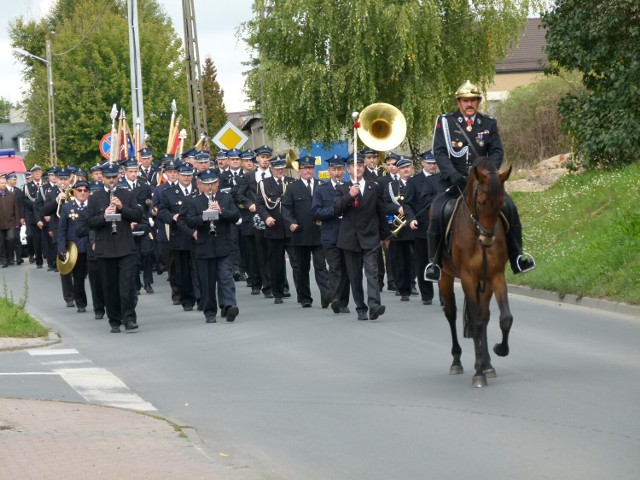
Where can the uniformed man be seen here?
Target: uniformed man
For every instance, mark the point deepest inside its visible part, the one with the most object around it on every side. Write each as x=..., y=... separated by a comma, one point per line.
x=213, y=245
x=146, y=170
x=115, y=249
x=70, y=217
x=459, y=138
x=421, y=190
x=305, y=234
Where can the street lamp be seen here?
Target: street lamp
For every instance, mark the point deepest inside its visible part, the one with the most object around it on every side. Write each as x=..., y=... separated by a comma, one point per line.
x=52, y=117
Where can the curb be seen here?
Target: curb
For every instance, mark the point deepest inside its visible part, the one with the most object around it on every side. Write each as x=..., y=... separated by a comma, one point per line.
x=571, y=299
x=11, y=344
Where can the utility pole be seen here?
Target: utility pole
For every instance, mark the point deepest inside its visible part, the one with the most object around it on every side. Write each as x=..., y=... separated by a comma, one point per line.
x=197, y=113
x=137, y=104
x=52, y=116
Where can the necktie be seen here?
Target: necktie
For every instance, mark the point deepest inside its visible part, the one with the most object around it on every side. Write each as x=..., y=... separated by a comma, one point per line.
x=309, y=187
x=263, y=174
x=280, y=183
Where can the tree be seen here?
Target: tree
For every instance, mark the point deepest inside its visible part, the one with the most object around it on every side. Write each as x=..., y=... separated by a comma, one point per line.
x=91, y=72
x=213, y=97
x=317, y=61
x=5, y=109
x=600, y=39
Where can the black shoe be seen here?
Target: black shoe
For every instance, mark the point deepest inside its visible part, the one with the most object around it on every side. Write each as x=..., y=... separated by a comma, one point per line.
x=5, y=265
x=432, y=273
x=404, y=298
x=335, y=306
x=187, y=308
x=414, y=292
x=81, y=309
x=392, y=287
x=99, y=316
x=344, y=310
x=236, y=276
x=19, y=261
x=398, y=293
x=232, y=313
x=223, y=311
x=286, y=295
x=325, y=303
x=524, y=263
x=70, y=304
x=177, y=302
x=148, y=288
x=362, y=316
x=200, y=306
x=32, y=259
x=376, y=312
x=268, y=295
x=255, y=291
x=278, y=301
x=131, y=326
x=427, y=302
x=306, y=304
x=210, y=319
x=115, y=329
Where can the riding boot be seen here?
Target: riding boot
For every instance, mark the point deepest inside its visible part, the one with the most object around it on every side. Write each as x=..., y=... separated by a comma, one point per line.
x=432, y=272
x=520, y=262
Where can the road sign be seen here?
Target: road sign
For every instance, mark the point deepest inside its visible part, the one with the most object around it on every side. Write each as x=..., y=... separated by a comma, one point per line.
x=105, y=145
x=230, y=136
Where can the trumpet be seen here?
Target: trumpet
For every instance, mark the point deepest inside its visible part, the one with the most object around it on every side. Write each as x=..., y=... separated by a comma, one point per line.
x=69, y=193
x=113, y=217
x=399, y=222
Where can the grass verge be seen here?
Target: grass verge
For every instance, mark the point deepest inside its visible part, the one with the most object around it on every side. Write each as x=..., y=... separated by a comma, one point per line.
x=15, y=322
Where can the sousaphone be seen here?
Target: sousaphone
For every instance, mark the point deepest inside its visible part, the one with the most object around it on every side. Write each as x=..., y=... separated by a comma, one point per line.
x=382, y=126
x=66, y=266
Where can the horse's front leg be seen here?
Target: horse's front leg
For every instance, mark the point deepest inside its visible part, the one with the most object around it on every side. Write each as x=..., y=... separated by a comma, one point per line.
x=450, y=312
x=506, y=319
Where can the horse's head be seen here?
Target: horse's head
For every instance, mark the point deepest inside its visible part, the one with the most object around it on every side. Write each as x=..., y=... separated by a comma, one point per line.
x=485, y=196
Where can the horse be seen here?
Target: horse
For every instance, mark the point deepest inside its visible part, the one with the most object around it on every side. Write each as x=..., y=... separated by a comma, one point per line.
x=477, y=255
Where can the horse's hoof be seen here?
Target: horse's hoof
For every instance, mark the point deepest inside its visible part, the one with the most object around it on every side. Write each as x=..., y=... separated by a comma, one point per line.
x=500, y=350
x=456, y=370
x=479, y=381
x=490, y=373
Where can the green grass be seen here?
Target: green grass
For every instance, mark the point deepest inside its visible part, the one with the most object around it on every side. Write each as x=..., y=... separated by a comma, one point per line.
x=15, y=322
x=584, y=233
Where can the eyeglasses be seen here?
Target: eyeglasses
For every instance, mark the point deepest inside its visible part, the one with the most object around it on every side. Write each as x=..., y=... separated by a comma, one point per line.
x=80, y=190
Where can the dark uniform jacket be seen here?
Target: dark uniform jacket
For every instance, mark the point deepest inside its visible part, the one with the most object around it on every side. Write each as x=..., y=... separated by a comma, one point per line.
x=30, y=197
x=370, y=176
x=150, y=177
x=454, y=155
x=421, y=190
x=172, y=200
x=399, y=192
x=322, y=209
x=70, y=217
x=362, y=227
x=211, y=245
x=49, y=208
x=271, y=207
x=296, y=208
x=107, y=244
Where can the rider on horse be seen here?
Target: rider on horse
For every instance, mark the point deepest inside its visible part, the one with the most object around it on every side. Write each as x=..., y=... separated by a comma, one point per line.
x=459, y=138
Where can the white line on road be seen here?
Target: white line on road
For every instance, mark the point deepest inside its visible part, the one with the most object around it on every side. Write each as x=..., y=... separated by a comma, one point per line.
x=60, y=351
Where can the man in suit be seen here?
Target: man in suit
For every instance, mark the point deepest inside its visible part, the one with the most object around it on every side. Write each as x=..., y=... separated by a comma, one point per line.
x=246, y=197
x=305, y=234
x=146, y=170
x=9, y=220
x=363, y=228
x=421, y=190
x=277, y=236
x=213, y=245
x=229, y=181
x=70, y=217
x=401, y=243
x=115, y=248
x=322, y=209
x=12, y=181
x=180, y=235
x=372, y=171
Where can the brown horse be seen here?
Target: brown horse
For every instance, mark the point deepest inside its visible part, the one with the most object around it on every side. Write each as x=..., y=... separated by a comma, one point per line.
x=477, y=255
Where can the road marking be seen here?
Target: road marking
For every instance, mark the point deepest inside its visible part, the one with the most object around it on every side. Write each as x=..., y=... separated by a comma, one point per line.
x=8, y=374
x=60, y=351
x=98, y=385
x=66, y=362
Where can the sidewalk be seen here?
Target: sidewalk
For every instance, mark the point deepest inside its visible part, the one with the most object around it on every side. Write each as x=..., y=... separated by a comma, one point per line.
x=44, y=440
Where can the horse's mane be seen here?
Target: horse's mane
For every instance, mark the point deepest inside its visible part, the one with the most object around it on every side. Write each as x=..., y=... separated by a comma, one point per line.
x=493, y=186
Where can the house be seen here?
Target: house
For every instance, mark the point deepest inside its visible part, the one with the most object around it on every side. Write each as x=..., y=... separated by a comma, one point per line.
x=523, y=64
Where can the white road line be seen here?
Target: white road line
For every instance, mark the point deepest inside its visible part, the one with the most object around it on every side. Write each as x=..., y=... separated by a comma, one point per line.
x=60, y=351
x=66, y=362
x=9, y=374
x=100, y=386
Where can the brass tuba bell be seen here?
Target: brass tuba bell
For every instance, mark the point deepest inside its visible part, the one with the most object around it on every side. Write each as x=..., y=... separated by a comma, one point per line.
x=382, y=126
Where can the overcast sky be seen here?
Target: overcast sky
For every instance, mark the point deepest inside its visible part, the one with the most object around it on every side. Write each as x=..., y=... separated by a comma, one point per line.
x=216, y=23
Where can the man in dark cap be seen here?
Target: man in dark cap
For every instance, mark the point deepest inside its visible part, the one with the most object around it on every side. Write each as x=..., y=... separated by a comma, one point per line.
x=305, y=234
x=322, y=209
x=146, y=170
x=213, y=245
x=110, y=213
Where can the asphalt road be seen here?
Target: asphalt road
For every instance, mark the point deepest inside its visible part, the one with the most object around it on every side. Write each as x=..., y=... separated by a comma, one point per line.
x=291, y=393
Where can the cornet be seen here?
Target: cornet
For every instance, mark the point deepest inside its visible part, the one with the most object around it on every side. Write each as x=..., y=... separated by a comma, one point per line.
x=399, y=222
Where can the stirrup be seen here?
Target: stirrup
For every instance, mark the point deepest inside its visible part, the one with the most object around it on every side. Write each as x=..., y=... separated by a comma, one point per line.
x=436, y=269
x=525, y=263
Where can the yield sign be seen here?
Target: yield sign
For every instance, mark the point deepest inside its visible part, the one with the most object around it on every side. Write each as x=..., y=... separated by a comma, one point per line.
x=229, y=137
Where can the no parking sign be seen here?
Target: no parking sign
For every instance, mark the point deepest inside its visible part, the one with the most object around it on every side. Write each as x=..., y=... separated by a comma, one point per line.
x=105, y=145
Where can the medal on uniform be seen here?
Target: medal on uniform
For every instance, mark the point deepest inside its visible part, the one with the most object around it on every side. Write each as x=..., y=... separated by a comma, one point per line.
x=469, y=124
